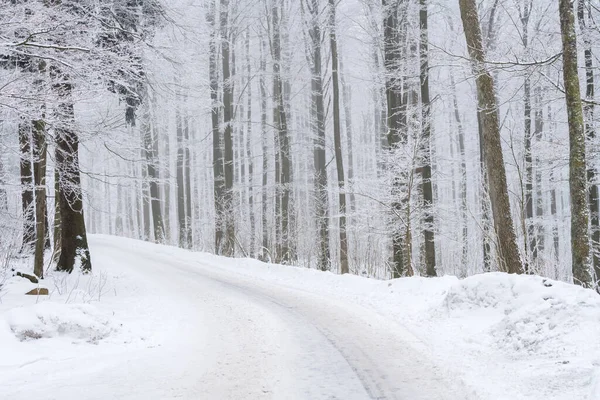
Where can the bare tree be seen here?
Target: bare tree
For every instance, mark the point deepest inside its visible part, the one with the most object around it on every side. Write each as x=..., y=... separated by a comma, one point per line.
x=426, y=142
x=337, y=138
x=509, y=257
x=580, y=238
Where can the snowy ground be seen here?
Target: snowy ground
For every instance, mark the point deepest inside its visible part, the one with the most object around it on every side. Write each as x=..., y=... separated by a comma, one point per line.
x=156, y=322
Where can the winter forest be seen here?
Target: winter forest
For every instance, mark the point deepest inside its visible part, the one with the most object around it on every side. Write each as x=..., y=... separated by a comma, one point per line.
x=383, y=138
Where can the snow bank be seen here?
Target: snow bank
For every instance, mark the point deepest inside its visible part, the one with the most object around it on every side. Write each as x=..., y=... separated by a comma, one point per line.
x=79, y=322
x=70, y=316
x=541, y=334
x=537, y=315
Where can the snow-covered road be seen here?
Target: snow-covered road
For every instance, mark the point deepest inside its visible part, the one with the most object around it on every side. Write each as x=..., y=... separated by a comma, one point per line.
x=158, y=322
x=227, y=337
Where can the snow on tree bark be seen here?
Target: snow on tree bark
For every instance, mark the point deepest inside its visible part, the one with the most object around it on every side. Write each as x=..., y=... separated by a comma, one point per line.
x=509, y=257
x=580, y=231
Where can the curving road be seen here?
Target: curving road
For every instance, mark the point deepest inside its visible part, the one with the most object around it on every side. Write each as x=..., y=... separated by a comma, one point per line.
x=247, y=339
x=193, y=329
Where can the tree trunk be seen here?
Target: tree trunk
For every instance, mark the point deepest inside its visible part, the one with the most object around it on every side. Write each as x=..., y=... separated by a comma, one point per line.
x=580, y=232
x=539, y=209
x=337, y=138
x=285, y=254
x=590, y=132
x=27, y=195
x=264, y=256
x=187, y=181
x=226, y=53
x=397, y=131
x=510, y=260
x=57, y=223
x=318, y=113
x=181, y=220
x=74, y=246
x=249, y=153
x=463, y=175
x=426, y=138
x=41, y=216
x=218, y=170
x=347, y=98
x=150, y=138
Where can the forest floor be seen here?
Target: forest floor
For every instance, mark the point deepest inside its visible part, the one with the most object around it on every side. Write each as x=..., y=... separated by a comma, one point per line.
x=157, y=322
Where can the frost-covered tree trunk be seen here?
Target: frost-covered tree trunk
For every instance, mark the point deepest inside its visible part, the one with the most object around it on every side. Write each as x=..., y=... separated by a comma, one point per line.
x=337, y=138
x=218, y=168
x=584, y=7
x=285, y=253
x=181, y=220
x=264, y=253
x=580, y=232
x=529, y=231
x=347, y=99
x=426, y=122
x=318, y=116
x=509, y=257
x=397, y=136
x=187, y=180
x=27, y=195
x=464, y=207
x=249, y=152
x=228, y=246
x=150, y=139
x=57, y=234
x=74, y=247
x=539, y=186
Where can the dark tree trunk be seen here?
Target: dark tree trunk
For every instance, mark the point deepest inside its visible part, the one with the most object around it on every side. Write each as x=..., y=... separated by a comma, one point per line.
x=580, y=232
x=41, y=216
x=397, y=130
x=509, y=257
x=426, y=138
x=74, y=246
x=39, y=166
x=218, y=168
x=285, y=254
x=228, y=247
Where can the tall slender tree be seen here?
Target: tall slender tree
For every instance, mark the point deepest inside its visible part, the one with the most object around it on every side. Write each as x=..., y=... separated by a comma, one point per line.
x=580, y=231
x=585, y=18
x=427, y=189
x=337, y=138
x=228, y=247
x=509, y=257
x=318, y=123
x=394, y=32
